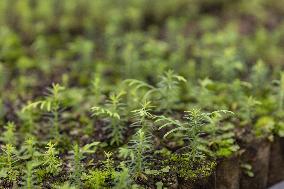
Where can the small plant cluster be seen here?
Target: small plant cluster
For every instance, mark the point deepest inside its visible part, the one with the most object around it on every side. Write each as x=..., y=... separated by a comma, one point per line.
x=133, y=94
x=116, y=117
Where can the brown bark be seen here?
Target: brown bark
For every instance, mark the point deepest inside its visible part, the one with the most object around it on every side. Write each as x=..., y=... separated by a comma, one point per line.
x=257, y=154
x=227, y=174
x=276, y=164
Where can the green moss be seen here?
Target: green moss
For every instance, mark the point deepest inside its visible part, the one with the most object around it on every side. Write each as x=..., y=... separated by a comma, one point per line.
x=189, y=169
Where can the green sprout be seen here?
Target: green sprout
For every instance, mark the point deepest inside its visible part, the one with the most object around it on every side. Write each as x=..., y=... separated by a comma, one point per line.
x=112, y=111
x=136, y=152
x=78, y=155
x=8, y=136
x=51, y=161
x=51, y=104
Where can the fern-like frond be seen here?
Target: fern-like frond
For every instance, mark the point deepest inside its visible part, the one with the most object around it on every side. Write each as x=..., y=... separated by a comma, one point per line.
x=137, y=84
x=99, y=111
x=45, y=105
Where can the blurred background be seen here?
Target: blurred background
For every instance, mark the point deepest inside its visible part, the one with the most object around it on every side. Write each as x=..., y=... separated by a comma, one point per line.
x=209, y=54
x=72, y=41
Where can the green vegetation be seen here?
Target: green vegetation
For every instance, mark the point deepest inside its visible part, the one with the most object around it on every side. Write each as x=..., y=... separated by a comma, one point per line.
x=135, y=93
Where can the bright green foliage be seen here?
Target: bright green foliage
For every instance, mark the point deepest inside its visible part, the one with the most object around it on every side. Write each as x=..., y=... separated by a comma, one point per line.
x=95, y=179
x=136, y=151
x=51, y=104
x=66, y=185
x=30, y=177
x=281, y=92
x=162, y=171
x=29, y=149
x=190, y=131
x=77, y=165
x=247, y=169
x=223, y=141
x=78, y=155
x=113, y=111
x=29, y=174
x=138, y=65
x=8, y=163
x=8, y=136
x=204, y=93
x=275, y=123
x=108, y=164
x=122, y=178
x=51, y=161
x=248, y=107
x=279, y=129
x=142, y=115
x=166, y=92
x=264, y=127
x=196, y=158
x=222, y=137
x=28, y=118
x=96, y=88
x=259, y=75
x=159, y=185
x=168, y=89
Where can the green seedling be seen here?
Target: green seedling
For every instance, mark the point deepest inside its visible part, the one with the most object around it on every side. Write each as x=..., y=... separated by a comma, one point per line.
x=112, y=111
x=51, y=161
x=78, y=155
x=142, y=116
x=166, y=92
x=136, y=152
x=51, y=104
x=8, y=136
x=8, y=163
